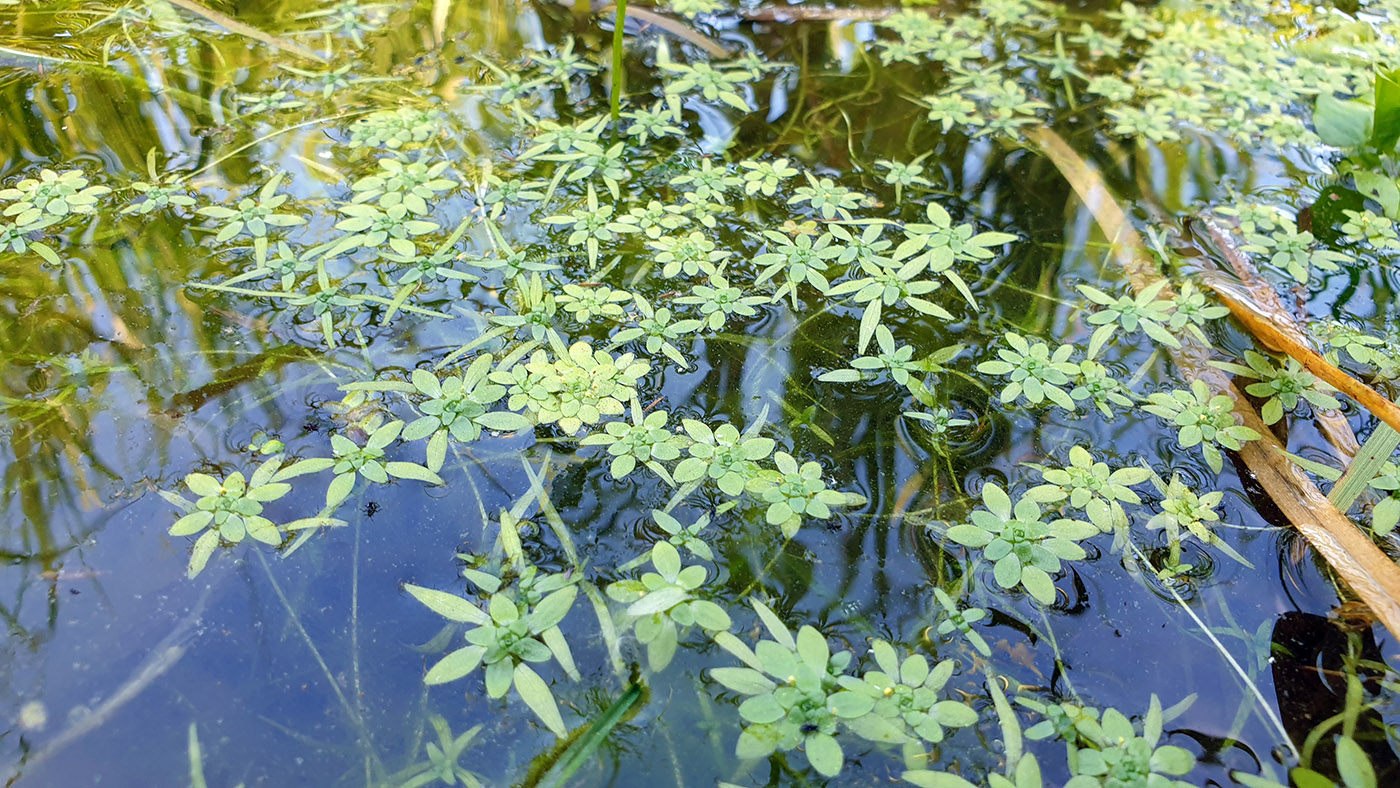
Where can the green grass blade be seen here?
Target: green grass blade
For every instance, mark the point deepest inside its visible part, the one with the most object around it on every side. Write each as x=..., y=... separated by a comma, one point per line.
x=617, y=60
x=1374, y=453
x=582, y=748
x=196, y=760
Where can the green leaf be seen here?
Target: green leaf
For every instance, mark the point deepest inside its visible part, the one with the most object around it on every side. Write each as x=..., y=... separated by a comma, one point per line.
x=874, y=728
x=449, y=606
x=925, y=778
x=735, y=646
x=418, y=429
x=666, y=560
x=1254, y=781
x=1307, y=778
x=499, y=676
x=1353, y=765
x=1039, y=584
x=1381, y=188
x=914, y=670
x=1008, y=571
x=552, y=609
x=777, y=661
x=849, y=705
x=954, y=714
x=690, y=469
x=455, y=665
x=202, y=484
x=778, y=513
x=658, y=601
x=413, y=471
x=812, y=647
x=262, y=529
x=178, y=501
x=303, y=467
x=1028, y=772
x=1386, y=125
x=825, y=754
x=191, y=524
x=1342, y=124
x=757, y=741
x=775, y=626
x=885, y=657
x=559, y=647
x=662, y=647
x=384, y=436
x=339, y=489
x=268, y=492
x=761, y=709
x=1384, y=516
x=426, y=383
x=868, y=321
x=313, y=522
x=199, y=556
x=1172, y=760
x=969, y=536
x=1152, y=723
x=745, y=681
x=537, y=696
x=503, y=421
x=709, y=615
x=45, y=251
x=503, y=609
x=437, y=451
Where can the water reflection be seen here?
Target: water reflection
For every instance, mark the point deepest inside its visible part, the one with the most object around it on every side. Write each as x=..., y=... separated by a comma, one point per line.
x=119, y=381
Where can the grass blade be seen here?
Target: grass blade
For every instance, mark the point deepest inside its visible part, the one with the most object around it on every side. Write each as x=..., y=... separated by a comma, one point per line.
x=196, y=760
x=582, y=748
x=616, y=97
x=1374, y=453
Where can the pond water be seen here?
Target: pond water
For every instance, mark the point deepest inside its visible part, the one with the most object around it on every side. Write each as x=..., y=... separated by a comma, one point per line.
x=349, y=250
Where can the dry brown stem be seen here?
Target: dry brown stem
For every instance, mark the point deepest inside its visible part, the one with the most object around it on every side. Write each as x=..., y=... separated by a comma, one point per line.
x=1358, y=562
x=1259, y=301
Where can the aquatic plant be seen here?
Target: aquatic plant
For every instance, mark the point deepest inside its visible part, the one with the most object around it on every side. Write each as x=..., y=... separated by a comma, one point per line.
x=557, y=282
x=519, y=626
x=1025, y=551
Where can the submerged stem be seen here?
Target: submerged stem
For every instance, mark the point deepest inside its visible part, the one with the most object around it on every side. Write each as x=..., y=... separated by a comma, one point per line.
x=356, y=721
x=1229, y=658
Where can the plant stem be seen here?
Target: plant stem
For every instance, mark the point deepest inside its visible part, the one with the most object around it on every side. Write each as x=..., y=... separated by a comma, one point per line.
x=1230, y=659
x=356, y=721
x=1006, y=719
x=616, y=97
x=356, y=689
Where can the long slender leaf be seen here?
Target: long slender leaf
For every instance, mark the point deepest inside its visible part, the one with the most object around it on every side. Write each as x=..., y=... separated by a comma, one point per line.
x=1374, y=453
x=582, y=748
x=537, y=696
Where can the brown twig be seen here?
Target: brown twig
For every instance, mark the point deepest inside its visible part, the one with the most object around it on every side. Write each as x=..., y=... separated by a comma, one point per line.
x=1267, y=329
x=248, y=31
x=815, y=14
x=1265, y=300
x=675, y=27
x=1358, y=562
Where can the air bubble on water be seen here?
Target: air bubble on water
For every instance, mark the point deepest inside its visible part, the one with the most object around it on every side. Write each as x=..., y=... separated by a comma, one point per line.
x=33, y=716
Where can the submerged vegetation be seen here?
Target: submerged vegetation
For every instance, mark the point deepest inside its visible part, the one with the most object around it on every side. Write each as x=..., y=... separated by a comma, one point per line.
x=876, y=391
